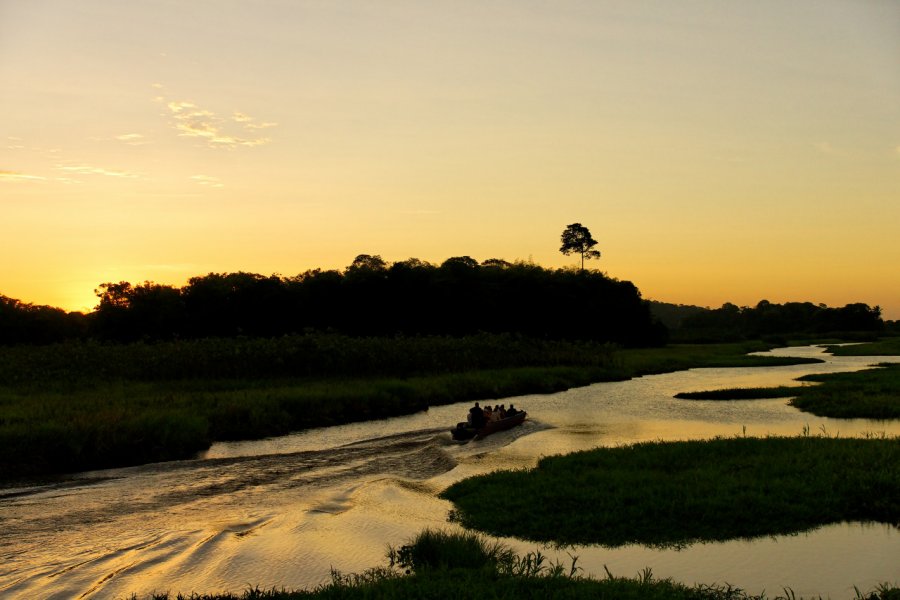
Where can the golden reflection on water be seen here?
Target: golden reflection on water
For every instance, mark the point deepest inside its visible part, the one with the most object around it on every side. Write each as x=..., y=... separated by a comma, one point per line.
x=284, y=512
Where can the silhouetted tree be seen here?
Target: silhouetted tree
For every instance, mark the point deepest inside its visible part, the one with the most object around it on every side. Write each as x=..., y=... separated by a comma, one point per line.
x=576, y=238
x=465, y=262
x=367, y=262
x=498, y=263
x=23, y=323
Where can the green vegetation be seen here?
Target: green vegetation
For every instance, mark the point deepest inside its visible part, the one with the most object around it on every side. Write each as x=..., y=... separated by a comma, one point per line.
x=79, y=406
x=783, y=391
x=635, y=362
x=679, y=492
x=869, y=394
x=883, y=347
x=134, y=423
x=454, y=566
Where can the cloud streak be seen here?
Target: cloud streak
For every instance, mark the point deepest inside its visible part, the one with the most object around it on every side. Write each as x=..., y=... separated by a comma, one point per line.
x=132, y=139
x=19, y=176
x=207, y=180
x=239, y=130
x=90, y=170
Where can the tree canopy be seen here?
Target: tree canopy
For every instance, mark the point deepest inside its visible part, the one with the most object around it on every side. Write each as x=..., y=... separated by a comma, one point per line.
x=577, y=239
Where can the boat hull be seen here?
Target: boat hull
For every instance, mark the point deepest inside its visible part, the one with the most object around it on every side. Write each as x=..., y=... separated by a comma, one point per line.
x=463, y=432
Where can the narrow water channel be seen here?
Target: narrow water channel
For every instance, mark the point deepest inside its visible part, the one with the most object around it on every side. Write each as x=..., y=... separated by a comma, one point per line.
x=283, y=512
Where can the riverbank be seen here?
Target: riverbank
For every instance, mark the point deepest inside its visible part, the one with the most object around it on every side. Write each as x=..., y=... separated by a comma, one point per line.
x=867, y=394
x=76, y=407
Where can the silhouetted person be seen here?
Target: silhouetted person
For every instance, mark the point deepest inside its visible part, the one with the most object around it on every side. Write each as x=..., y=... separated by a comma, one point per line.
x=511, y=411
x=476, y=417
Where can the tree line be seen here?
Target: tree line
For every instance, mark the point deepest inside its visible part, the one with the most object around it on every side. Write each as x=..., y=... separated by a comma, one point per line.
x=769, y=320
x=460, y=296
x=371, y=297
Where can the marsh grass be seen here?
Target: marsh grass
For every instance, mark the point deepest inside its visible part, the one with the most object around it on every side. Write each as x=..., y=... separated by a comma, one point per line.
x=670, y=494
x=742, y=393
x=870, y=394
x=867, y=394
x=884, y=347
x=439, y=564
x=79, y=406
x=127, y=423
x=676, y=357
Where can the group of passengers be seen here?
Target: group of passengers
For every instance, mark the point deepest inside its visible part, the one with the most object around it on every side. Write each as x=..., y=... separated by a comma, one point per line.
x=479, y=417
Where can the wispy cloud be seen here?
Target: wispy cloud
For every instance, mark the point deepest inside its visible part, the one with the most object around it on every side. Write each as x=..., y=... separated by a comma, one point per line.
x=19, y=176
x=207, y=180
x=132, y=139
x=249, y=122
x=90, y=170
x=237, y=131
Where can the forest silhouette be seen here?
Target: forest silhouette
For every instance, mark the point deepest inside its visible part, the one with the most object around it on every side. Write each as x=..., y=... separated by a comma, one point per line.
x=412, y=297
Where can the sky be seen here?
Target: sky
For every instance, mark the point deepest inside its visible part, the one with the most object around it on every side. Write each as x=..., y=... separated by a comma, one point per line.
x=718, y=151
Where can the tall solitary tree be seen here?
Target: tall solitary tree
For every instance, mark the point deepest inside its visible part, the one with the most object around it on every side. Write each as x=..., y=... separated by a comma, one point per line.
x=577, y=239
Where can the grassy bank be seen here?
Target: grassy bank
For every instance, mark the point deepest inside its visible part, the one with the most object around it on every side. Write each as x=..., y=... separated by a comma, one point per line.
x=680, y=492
x=454, y=566
x=782, y=391
x=867, y=394
x=131, y=423
x=74, y=407
x=884, y=347
x=870, y=394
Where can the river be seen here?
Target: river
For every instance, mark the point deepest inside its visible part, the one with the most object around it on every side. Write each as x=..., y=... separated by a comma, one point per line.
x=283, y=512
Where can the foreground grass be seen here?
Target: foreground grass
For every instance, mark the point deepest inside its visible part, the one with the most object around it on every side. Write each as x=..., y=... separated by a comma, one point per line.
x=680, y=492
x=438, y=564
x=75, y=407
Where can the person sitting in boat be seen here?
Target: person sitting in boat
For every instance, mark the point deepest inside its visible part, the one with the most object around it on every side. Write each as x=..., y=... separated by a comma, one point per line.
x=503, y=413
x=511, y=411
x=488, y=414
x=476, y=417
x=495, y=414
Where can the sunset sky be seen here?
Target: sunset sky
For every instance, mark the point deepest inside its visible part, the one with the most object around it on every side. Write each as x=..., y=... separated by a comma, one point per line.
x=719, y=151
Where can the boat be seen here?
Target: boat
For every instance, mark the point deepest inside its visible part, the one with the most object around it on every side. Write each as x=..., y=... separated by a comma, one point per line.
x=463, y=431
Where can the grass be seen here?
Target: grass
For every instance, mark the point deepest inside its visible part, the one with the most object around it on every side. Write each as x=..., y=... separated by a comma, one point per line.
x=867, y=394
x=870, y=394
x=127, y=423
x=74, y=407
x=677, y=357
x=884, y=347
x=670, y=494
x=783, y=391
x=462, y=566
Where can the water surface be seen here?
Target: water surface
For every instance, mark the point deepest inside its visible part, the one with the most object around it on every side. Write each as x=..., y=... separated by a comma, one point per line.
x=283, y=512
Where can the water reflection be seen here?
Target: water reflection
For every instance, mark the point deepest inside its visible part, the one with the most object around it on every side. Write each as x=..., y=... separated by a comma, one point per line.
x=282, y=512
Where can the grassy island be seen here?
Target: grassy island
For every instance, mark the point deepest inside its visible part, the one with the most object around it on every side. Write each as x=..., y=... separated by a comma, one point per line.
x=680, y=492
x=868, y=394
